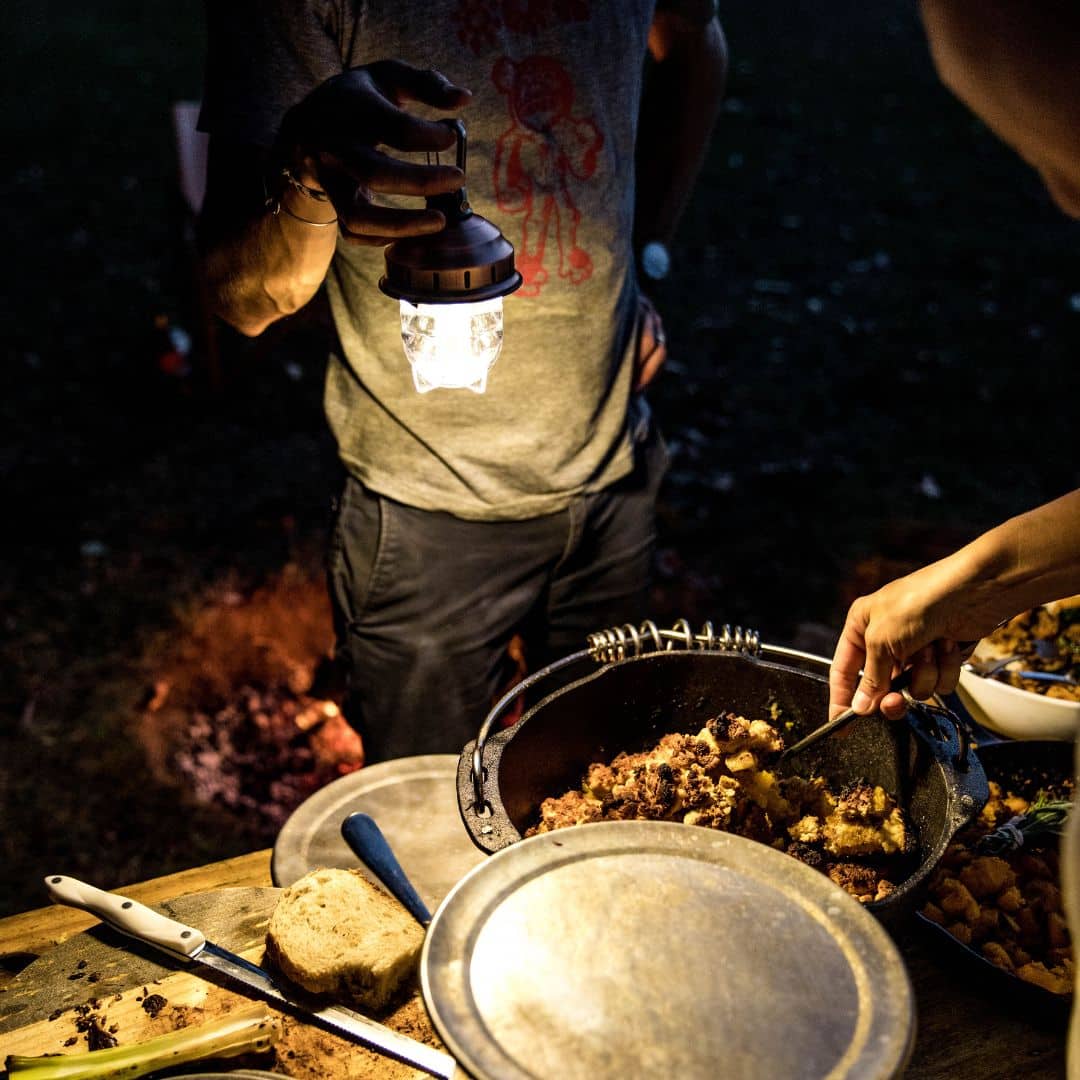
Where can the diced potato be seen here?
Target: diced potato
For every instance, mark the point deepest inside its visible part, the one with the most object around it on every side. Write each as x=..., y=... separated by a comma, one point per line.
x=1038, y=974
x=741, y=761
x=960, y=931
x=1029, y=927
x=986, y=875
x=986, y=924
x=996, y=954
x=1043, y=895
x=1020, y=956
x=1010, y=900
x=955, y=900
x=934, y=913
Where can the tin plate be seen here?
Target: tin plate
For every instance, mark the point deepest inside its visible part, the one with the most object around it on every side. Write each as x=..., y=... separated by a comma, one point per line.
x=633, y=948
x=414, y=801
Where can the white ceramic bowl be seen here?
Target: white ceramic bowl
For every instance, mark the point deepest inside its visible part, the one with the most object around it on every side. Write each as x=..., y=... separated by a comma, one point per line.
x=1015, y=713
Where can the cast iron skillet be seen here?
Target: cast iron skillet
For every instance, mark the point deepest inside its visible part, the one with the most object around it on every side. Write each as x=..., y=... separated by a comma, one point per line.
x=925, y=763
x=1023, y=768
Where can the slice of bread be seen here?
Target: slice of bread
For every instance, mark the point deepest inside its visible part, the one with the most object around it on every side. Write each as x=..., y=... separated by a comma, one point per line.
x=333, y=932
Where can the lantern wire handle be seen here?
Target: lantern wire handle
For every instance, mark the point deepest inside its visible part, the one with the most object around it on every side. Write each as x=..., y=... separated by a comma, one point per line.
x=460, y=153
x=458, y=128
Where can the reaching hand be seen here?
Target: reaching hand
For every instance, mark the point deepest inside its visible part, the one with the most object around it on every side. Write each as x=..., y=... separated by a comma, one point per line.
x=867, y=646
x=332, y=138
x=915, y=621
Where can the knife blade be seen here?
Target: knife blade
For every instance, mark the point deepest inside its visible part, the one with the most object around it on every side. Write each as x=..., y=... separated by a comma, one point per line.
x=186, y=943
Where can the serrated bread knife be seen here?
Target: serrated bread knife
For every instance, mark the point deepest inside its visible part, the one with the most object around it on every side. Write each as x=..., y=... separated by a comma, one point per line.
x=186, y=943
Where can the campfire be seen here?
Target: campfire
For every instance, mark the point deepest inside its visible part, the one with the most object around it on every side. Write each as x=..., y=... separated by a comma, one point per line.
x=243, y=712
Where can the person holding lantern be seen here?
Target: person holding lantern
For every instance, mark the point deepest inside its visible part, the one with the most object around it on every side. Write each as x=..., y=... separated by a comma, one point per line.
x=516, y=500
x=1015, y=65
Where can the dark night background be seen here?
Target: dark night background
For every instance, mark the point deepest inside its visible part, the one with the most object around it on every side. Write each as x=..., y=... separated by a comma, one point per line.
x=873, y=321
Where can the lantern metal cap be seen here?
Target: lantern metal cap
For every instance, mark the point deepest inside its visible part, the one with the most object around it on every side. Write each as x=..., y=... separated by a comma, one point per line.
x=467, y=261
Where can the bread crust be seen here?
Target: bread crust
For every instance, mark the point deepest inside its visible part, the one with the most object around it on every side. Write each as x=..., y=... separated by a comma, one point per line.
x=334, y=933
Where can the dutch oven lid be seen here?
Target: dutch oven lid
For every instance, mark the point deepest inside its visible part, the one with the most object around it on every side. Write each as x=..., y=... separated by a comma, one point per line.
x=634, y=948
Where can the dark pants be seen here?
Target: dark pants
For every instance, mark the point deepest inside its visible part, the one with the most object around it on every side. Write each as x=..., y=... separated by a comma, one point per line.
x=426, y=603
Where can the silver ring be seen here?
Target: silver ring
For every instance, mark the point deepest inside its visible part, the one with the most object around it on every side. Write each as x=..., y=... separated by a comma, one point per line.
x=660, y=338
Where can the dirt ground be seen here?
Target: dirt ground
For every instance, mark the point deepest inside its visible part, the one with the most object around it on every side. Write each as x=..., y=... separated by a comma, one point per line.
x=873, y=320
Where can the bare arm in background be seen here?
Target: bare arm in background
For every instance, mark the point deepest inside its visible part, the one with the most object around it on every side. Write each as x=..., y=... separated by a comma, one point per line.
x=1014, y=63
x=681, y=102
x=917, y=620
x=683, y=93
x=261, y=266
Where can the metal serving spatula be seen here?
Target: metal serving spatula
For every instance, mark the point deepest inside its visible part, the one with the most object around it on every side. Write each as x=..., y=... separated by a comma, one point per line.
x=901, y=682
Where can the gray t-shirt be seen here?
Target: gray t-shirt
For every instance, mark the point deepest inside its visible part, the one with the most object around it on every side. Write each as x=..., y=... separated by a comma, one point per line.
x=551, y=129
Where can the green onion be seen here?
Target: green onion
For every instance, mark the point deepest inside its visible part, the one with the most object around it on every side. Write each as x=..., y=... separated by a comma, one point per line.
x=1045, y=817
x=247, y=1030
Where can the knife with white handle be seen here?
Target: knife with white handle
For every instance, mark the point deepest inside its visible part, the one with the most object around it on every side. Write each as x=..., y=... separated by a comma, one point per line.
x=188, y=944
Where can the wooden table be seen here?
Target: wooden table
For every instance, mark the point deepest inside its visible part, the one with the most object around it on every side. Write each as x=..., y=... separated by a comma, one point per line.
x=966, y=1029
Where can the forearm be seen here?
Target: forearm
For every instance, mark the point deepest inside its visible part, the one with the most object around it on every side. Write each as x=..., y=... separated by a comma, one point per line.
x=681, y=102
x=1028, y=560
x=272, y=269
x=260, y=266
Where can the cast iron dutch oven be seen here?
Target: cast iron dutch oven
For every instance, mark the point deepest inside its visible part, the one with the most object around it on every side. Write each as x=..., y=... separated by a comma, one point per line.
x=657, y=681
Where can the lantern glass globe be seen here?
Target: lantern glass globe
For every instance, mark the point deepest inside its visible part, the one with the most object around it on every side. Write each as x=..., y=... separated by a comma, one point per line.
x=452, y=346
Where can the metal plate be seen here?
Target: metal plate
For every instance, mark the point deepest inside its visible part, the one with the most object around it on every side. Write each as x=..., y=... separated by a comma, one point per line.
x=414, y=801
x=633, y=948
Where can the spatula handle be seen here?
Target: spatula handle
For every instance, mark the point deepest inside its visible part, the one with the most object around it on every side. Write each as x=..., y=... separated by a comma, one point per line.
x=370, y=846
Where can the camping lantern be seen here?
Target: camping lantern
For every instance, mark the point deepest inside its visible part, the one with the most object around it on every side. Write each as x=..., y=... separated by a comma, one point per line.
x=450, y=286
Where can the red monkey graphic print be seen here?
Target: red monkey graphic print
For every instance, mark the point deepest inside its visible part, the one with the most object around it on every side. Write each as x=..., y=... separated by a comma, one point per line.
x=536, y=158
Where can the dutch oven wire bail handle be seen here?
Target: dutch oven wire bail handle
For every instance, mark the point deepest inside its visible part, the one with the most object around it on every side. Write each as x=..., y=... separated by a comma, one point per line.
x=623, y=643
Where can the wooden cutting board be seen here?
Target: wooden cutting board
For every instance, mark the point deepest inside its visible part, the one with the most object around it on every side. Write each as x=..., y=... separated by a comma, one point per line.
x=136, y=993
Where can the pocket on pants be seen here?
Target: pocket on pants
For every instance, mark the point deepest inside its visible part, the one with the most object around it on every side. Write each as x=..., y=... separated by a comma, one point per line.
x=357, y=544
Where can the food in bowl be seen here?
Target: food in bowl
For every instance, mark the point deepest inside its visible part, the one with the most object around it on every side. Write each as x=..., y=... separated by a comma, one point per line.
x=719, y=777
x=1046, y=639
x=1003, y=900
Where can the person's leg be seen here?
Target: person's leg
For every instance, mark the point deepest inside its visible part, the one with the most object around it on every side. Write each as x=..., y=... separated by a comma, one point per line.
x=425, y=605
x=603, y=580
